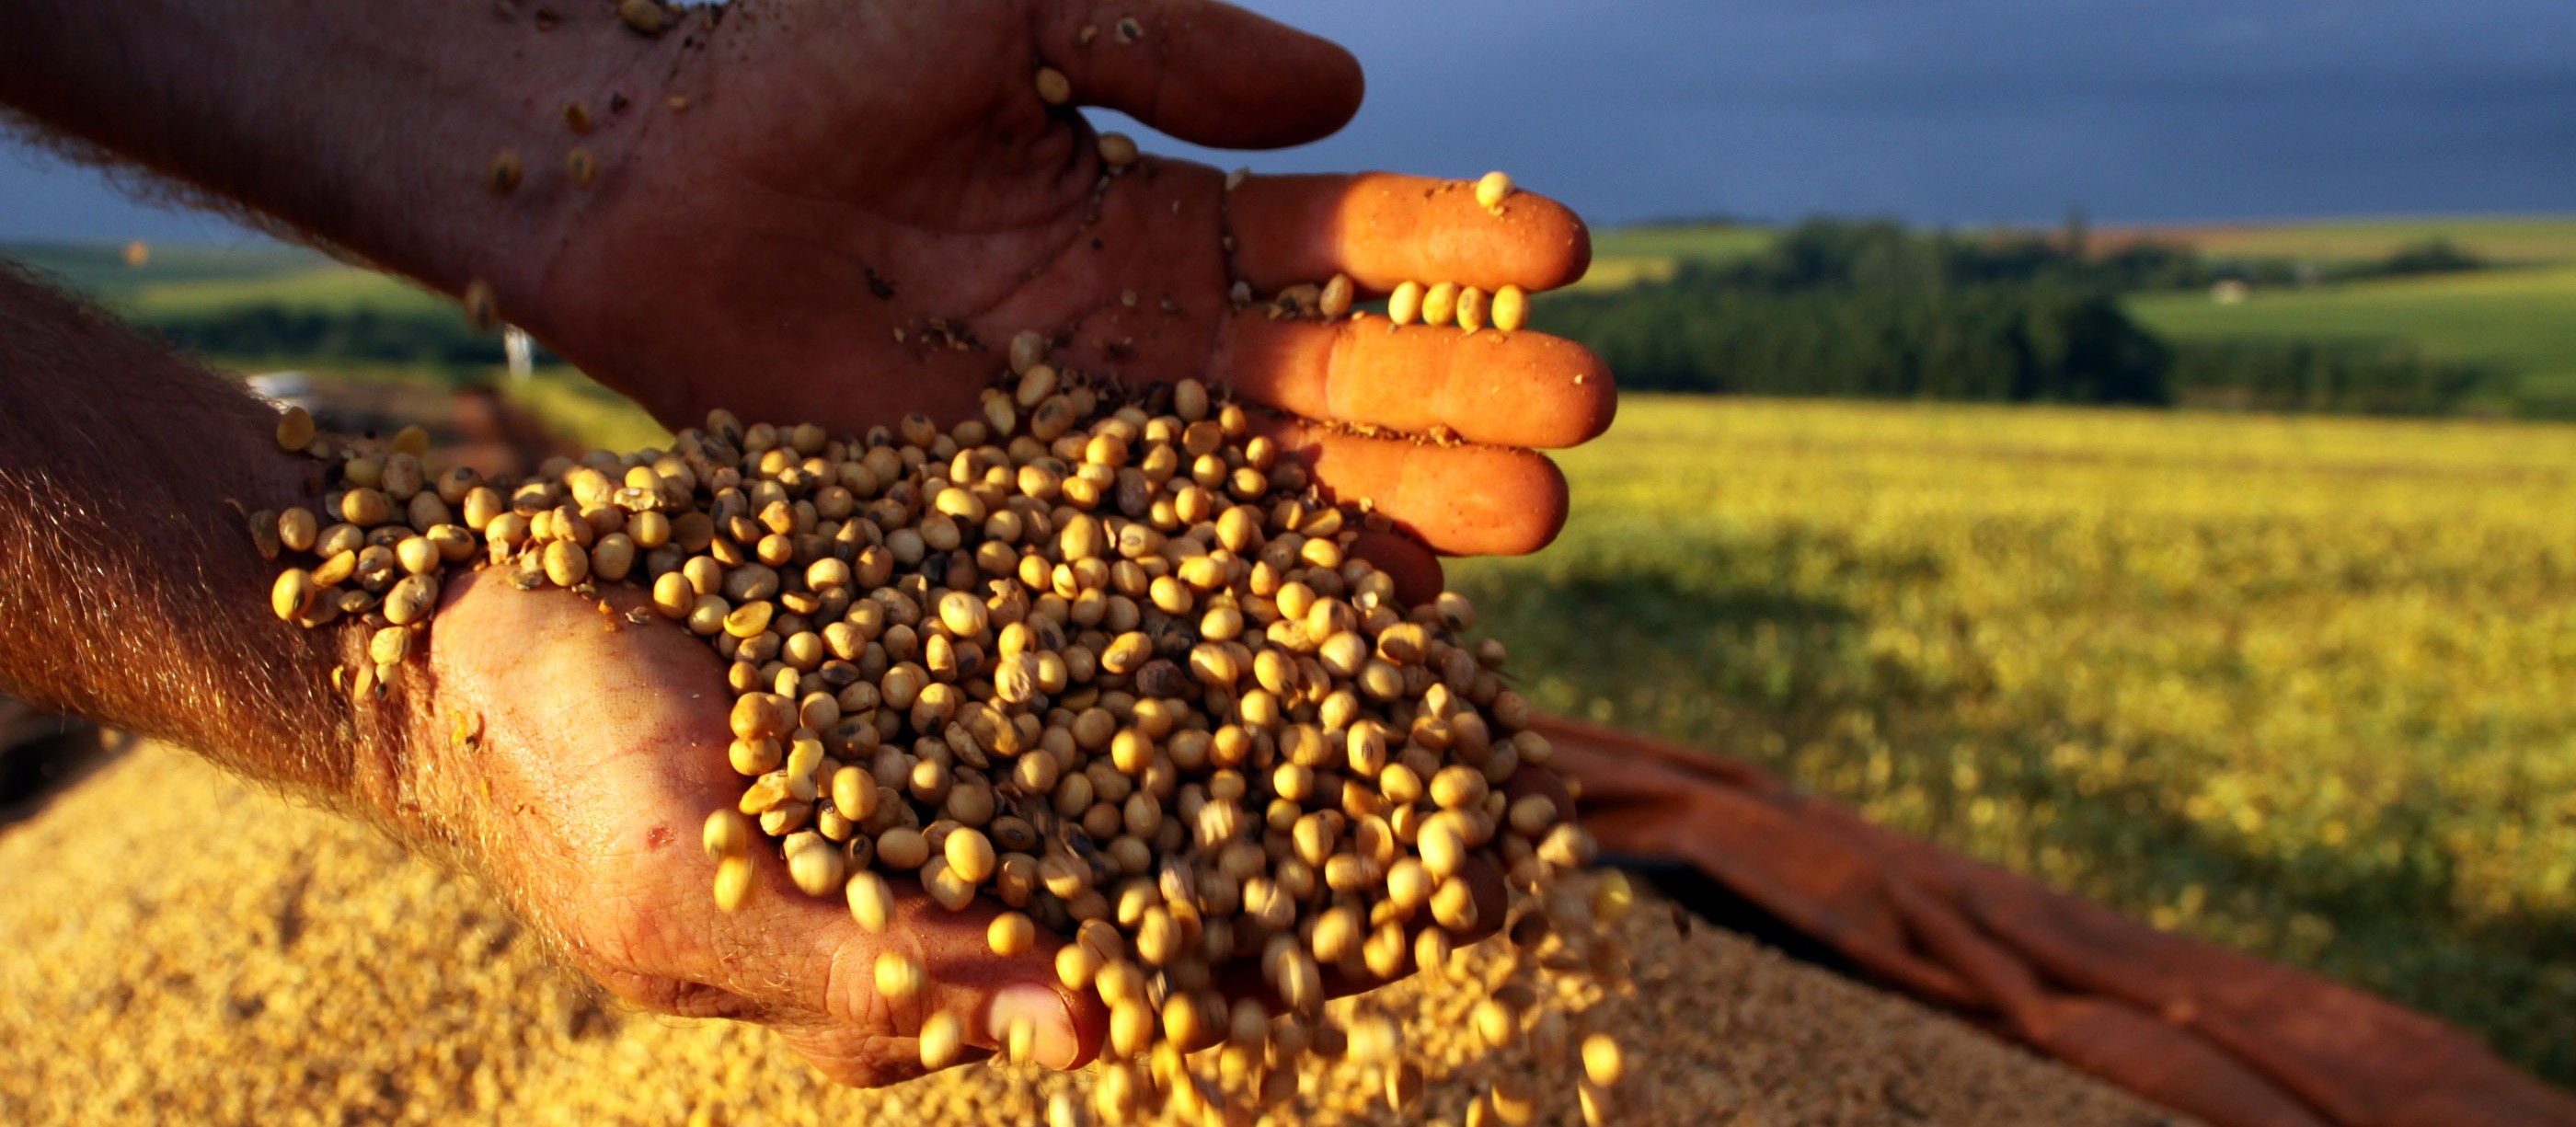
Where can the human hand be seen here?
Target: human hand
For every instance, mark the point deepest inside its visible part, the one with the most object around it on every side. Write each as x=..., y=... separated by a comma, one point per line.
x=599, y=750
x=592, y=749
x=844, y=169
x=846, y=173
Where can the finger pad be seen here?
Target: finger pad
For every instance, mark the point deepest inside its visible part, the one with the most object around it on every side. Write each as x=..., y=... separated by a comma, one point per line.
x=1460, y=500
x=1384, y=229
x=1528, y=389
x=1215, y=74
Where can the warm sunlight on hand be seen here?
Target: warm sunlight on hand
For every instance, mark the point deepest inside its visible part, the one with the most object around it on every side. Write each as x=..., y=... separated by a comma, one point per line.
x=598, y=749
x=849, y=177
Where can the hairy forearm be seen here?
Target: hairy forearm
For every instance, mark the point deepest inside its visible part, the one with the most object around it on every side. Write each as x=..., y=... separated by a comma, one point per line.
x=130, y=589
x=373, y=127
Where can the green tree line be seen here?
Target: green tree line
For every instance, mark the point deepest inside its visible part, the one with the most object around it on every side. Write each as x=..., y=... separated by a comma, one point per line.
x=276, y=332
x=1873, y=309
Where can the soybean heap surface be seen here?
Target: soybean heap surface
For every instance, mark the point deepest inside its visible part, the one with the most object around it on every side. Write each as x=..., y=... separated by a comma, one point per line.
x=2302, y=686
x=187, y=949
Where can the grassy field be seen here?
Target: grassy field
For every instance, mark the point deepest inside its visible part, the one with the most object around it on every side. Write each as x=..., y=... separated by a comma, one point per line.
x=179, y=281
x=1625, y=256
x=2513, y=239
x=2306, y=687
x=560, y=398
x=2520, y=322
x=101, y=270
x=329, y=288
x=182, y=281
x=1622, y=255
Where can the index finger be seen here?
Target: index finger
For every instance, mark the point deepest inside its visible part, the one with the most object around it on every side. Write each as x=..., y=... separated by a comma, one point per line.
x=1384, y=229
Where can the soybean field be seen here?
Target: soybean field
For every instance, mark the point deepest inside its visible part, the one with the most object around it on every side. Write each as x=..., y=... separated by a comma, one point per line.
x=2303, y=686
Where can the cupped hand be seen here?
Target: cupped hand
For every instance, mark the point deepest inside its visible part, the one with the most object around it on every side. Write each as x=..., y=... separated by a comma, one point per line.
x=572, y=755
x=863, y=201
x=592, y=749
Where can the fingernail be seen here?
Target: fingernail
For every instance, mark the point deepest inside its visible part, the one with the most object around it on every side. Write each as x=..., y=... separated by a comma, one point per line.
x=1043, y=1009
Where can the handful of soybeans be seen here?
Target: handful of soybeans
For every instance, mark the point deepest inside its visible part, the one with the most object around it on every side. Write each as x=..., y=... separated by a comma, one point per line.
x=1105, y=659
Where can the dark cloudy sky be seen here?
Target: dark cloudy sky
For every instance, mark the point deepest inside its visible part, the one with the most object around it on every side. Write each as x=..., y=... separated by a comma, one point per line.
x=1957, y=111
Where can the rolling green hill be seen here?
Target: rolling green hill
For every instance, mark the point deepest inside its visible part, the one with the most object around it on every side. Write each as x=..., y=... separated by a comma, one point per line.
x=181, y=284
x=2516, y=321
x=100, y=269
x=2520, y=323
x=2513, y=239
x=1622, y=255
x=330, y=288
x=180, y=280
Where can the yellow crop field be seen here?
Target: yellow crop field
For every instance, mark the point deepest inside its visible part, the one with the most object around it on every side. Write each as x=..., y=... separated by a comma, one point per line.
x=2304, y=686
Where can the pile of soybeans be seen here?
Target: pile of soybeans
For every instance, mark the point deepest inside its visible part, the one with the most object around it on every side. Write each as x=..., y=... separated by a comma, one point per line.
x=1104, y=657
x=1109, y=660
x=189, y=949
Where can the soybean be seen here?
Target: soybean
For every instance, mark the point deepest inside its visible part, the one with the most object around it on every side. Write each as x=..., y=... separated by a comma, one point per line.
x=1603, y=1064
x=1053, y=87
x=899, y=977
x=1117, y=150
x=1404, y=306
x=1440, y=303
x=295, y=429
x=1510, y=308
x=871, y=899
x=943, y=1040
x=1010, y=933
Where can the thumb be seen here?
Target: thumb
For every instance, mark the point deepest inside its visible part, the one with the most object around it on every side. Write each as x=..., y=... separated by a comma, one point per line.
x=1205, y=72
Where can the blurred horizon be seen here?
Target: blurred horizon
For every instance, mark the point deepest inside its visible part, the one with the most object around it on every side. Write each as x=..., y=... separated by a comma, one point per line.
x=1982, y=112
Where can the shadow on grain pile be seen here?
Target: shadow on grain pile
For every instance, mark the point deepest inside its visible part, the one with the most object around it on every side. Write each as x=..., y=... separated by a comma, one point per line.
x=42, y=755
